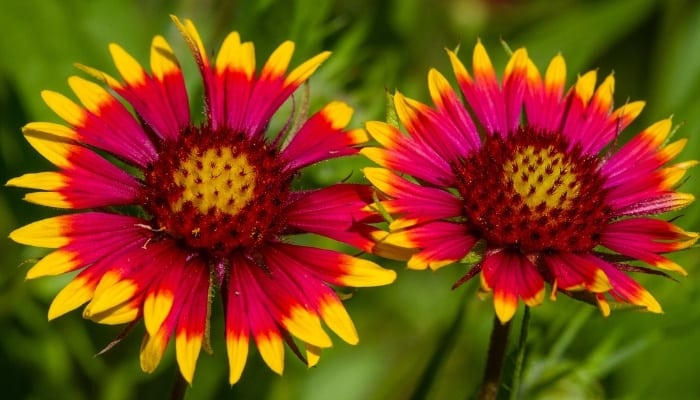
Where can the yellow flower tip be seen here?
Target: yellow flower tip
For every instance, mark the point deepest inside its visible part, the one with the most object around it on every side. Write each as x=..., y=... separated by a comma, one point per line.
x=237, y=350
x=305, y=70
x=313, y=355
x=604, y=94
x=505, y=305
x=64, y=107
x=118, y=315
x=680, y=200
x=437, y=264
x=438, y=86
x=338, y=320
x=92, y=95
x=152, y=348
x=535, y=300
x=458, y=67
x=278, y=61
x=481, y=63
x=649, y=302
x=240, y=57
x=76, y=293
x=400, y=103
x=485, y=287
x=191, y=36
x=156, y=308
x=374, y=127
x=55, y=263
x=48, y=129
x=364, y=273
x=378, y=177
x=40, y=180
x=187, y=349
x=271, y=350
x=391, y=252
x=658, y=132
x=417, y=262
x=306, y=325
x=555, y=76
x=603, y=305
x=686, y=165
x=669, y=265
x=338, y=113
x=600, y=283
x=48, y=199
x=671, y=176
x=518, y=63
x=388, y=136
x=43, y=233
x=358, y=136
x=163, y=59
x=671, y=150
x=129, y=68
x=400, y=239
x=402, y=223
x=110, y=292
x=630, y=111
x=379, y=156
x=100, y=76
x=585, y=85
x=607, y=87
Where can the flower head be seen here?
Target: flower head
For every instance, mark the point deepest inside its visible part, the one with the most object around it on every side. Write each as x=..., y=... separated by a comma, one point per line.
x=172, y=210
x=535, y=175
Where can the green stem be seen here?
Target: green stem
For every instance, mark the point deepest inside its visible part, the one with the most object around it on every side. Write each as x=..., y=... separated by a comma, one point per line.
x=498, y=343
x=520, y=358
x=179, y=386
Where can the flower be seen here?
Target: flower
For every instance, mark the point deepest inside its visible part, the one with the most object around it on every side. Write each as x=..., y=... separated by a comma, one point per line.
x=535, y=177
x=172, y=210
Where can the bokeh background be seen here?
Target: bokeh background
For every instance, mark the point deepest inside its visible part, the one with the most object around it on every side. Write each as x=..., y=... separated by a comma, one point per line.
x=653, y=48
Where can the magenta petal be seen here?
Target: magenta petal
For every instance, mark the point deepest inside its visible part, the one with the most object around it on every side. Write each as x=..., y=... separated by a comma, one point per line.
x=94, y=182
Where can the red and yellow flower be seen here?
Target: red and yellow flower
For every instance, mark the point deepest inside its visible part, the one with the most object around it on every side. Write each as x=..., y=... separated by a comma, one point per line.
x=533, y=173
x=171, y=210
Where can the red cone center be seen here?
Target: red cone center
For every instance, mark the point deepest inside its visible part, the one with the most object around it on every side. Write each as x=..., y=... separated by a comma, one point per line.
x=531, y=192
x=218, y=190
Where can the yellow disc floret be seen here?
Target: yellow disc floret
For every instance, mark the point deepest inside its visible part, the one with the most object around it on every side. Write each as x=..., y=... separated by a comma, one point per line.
x=540, y=176
x=215, y=180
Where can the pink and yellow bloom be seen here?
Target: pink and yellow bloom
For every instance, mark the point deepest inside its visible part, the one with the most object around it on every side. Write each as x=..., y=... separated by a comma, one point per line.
x=534, y=173
x=170, y=210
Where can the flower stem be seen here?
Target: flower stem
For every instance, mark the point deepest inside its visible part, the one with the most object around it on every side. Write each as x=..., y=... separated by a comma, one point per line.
x=494, y=364
x=520, y=358
x=179, y=386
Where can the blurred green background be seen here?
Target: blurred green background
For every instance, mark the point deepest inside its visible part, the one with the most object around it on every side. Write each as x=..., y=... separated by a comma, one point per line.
x=653, y=47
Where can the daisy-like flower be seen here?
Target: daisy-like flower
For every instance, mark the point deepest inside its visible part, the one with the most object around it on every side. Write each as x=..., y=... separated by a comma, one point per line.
x=173, y=210
x=535, y=175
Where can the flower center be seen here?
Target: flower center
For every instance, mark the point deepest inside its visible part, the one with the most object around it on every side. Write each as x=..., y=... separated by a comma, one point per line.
x=217, y=190
x=214, y=180
x=531, y=192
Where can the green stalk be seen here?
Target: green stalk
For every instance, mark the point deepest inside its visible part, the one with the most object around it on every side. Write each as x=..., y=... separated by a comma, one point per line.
x=498, y=344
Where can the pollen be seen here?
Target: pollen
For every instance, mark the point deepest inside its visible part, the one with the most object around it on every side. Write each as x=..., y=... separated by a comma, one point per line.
x=532, y=192
x=217, y=191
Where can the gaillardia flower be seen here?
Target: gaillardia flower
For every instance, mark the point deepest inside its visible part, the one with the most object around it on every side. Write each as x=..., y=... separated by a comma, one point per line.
x=534, y=175
x=172, y=210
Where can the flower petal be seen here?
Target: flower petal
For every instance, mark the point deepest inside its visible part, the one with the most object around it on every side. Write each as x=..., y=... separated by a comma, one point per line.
x=441, y=243
x=322, y=137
